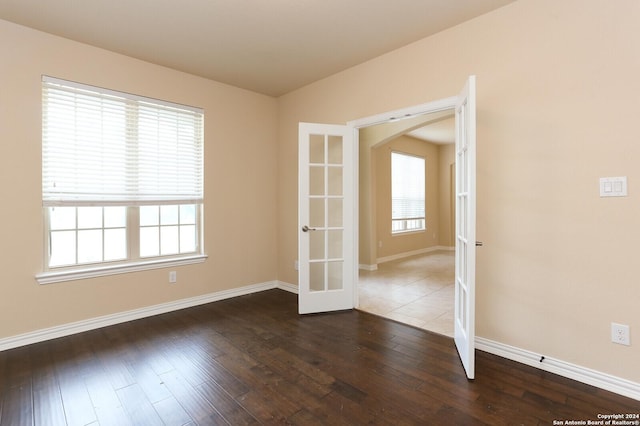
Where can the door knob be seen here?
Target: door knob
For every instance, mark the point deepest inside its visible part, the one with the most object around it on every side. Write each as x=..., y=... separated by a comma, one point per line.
x=479, y=243
x=307, y=229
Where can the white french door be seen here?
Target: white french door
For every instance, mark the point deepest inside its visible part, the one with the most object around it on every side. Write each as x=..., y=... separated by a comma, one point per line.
x=465, y=263
x=326, y=218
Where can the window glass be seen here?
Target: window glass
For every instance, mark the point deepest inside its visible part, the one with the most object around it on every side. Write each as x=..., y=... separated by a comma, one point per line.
x=63, y=248
x=169, y=215
x=115, y=217
x=89, y=217
x=407, y=193
x=115, y=244
x=149, y=215
x=62, y=218
x=149, y=241
x=117, y=171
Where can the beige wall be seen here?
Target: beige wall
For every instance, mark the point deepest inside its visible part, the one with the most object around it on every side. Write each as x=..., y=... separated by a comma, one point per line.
x=557, y=105
x=387, y=243
x=240, y=187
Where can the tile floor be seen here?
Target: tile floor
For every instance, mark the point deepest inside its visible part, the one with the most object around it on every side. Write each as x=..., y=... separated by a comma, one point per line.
x=416, y=290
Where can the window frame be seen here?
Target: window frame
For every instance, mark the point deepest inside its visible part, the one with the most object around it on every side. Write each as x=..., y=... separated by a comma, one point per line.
x=133, y=260
x=404, y=230
x=91, y=270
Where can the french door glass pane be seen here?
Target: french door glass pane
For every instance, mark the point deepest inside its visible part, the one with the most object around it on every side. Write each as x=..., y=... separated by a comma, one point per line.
x=335, y=275
x=316, y=212
x=335, y=149
x=316, y=245
x=316, y=149
x=316, y=276
x=335, y=181
x=316, y=181
x=335, y=212
x=335, y=244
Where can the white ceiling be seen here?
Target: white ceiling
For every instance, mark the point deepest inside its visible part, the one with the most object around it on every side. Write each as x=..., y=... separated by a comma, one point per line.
x=267, y=46
x=439, y=132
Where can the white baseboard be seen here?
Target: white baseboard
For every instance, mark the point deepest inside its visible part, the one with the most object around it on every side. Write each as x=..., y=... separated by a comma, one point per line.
x=575, y=372
x=364, y=267
x=413, y=253
x=107, y=320
x=291, y=288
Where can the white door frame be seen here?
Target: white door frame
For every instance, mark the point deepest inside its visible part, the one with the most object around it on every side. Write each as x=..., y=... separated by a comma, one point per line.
x=386, y=117
x=464, y=336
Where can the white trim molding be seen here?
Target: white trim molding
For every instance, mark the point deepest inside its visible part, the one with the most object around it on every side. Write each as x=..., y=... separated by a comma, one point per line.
x=291, y=288
x=413, y=253
x=120, y=317
x=103, y=271
x=575, y=372
x=365, y=267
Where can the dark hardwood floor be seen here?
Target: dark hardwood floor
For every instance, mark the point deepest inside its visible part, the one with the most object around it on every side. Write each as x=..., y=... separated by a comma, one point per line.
x=253, y=359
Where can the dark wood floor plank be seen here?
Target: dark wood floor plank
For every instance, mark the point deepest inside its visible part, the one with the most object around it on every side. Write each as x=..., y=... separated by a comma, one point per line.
x=350, y=412
x=47, y=400
x=17, y=369
x=218, y=374
x=196, y=406
x=254, y=360
x=303, y=417
x=139, y=409
x=77, y=404
x=226, y=405
x=47, y=403
x=171, y=412
x=106, y=403
x=296, y=370
x=264, y=386
x=110, y=352
x=150, y=383
x=17, y=408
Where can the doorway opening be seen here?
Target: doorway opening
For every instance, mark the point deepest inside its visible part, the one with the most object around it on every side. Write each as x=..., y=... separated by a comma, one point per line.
x=408, y=277
x=328, y=212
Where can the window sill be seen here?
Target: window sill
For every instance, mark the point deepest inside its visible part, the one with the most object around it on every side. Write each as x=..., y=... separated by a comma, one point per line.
x=50, y=277
x=412, y=231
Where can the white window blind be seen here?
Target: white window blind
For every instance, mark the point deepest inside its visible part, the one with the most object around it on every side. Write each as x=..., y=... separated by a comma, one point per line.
x=103, y=147
x=407, y=192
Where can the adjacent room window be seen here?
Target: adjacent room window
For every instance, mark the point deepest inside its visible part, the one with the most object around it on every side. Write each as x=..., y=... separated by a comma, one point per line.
x=407, y=193
x=122, y=177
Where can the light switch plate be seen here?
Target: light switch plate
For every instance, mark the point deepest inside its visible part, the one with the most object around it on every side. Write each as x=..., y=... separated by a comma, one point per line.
x=613, y=186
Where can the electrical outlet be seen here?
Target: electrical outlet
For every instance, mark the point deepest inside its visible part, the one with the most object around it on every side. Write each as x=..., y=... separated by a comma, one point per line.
x=620, y=334
x=173, y=277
